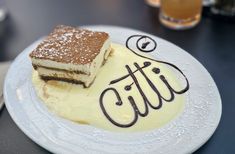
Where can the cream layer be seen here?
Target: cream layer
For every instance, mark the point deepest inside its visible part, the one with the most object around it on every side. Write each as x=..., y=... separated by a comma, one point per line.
x=89, y=68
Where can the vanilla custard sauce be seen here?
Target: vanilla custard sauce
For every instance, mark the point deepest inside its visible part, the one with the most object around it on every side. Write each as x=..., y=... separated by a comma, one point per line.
x=119, y=105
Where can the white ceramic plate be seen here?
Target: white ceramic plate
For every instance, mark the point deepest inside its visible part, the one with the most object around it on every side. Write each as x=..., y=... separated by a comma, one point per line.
x=184, y=134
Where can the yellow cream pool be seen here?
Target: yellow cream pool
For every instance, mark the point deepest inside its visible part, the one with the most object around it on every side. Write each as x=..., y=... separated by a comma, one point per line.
x=84, y=105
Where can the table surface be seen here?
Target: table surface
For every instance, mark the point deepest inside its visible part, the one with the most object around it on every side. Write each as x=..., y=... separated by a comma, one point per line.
x=212, y=42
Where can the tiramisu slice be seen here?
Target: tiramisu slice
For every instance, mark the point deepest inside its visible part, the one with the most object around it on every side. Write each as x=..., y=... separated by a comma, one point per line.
x=71, y=54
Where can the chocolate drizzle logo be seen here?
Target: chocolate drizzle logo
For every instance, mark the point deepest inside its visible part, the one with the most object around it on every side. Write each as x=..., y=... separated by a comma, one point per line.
x=143, y=44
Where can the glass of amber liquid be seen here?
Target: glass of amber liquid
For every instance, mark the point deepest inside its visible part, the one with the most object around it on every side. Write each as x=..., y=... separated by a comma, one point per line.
x=180, y=14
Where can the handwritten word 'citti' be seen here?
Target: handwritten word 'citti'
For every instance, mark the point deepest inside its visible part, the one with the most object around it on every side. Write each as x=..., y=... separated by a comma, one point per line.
x=131, y=74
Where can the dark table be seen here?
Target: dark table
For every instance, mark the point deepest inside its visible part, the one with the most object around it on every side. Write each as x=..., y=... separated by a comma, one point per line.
x=212, y=42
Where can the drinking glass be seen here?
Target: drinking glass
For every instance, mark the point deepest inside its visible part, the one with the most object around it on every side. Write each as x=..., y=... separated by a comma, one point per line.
x=180, y=14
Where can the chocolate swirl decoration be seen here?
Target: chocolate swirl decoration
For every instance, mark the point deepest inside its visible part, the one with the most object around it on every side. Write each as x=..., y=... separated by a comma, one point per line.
x=131, y=73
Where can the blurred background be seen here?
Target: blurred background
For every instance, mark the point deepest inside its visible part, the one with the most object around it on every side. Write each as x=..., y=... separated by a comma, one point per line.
x=211, y=41
x=28, y=20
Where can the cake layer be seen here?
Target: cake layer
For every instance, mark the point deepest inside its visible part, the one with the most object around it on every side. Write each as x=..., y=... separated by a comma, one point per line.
x=87, y=68
x=49, y=73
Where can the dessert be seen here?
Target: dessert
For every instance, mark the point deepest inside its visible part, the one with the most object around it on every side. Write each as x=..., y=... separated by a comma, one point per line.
x=71, y=54
x=131, y=93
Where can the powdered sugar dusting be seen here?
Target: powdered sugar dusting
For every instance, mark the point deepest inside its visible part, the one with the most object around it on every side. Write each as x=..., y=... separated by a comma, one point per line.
x=71, y=45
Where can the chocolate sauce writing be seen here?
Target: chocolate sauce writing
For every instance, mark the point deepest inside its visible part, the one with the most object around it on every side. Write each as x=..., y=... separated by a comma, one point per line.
x=132, y=74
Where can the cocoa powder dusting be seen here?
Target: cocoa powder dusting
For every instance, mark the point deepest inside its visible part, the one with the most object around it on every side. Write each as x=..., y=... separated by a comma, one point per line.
x=70, y=45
